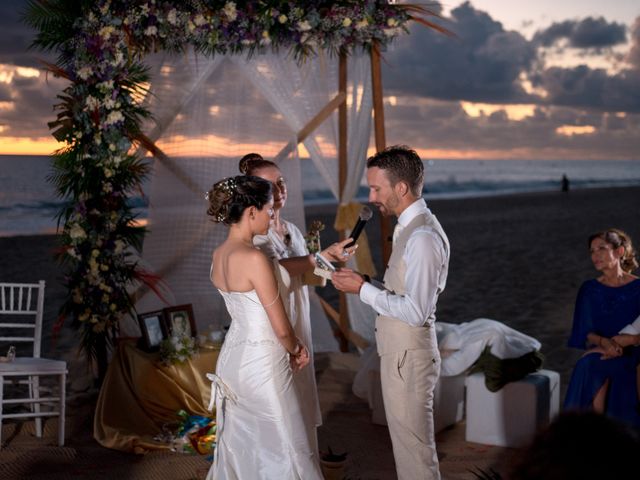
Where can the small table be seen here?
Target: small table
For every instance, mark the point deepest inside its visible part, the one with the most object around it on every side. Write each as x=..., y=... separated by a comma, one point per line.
x=140, y=394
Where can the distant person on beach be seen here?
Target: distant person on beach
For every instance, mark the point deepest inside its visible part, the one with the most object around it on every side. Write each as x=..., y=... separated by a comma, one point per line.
x=285, y=242
x=605, y=378
x=406, y=306
x=565, y=183
x=261, y=421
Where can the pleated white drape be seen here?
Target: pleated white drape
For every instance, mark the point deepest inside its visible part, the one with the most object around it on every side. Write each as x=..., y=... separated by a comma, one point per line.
x=208, y=113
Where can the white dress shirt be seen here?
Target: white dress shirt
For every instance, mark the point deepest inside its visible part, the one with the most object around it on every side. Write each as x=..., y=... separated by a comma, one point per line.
x=427, y=261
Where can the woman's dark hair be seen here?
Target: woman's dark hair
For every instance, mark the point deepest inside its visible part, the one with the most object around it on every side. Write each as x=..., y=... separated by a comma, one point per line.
x=229, y=197
x=252, y=162
x=617, y=238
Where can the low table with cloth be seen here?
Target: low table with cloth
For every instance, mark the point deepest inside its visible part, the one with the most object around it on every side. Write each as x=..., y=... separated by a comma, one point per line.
x=501, y=353
x=140, y=395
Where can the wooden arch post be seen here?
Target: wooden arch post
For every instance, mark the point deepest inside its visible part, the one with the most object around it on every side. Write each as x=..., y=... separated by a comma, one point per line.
x=378, y=109
x=380, y=138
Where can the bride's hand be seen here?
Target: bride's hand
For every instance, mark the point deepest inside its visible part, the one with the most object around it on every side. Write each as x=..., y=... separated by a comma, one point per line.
x=337, y=253
x=300, y=360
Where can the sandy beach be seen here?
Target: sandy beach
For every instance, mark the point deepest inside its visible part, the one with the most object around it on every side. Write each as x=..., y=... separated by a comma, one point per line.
x=518, y=259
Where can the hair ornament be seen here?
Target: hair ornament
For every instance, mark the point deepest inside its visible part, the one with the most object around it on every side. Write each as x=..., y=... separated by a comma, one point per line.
x=229, y=186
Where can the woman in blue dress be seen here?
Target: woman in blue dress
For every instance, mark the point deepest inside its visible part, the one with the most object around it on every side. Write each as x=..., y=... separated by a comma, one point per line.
x=605, y=379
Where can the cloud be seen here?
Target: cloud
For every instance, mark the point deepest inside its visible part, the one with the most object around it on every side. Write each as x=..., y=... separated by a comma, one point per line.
x=633, y=58
x=482, y=64
x=443, y=126
x=584, y=87
x=17, y=37
x=587, y=33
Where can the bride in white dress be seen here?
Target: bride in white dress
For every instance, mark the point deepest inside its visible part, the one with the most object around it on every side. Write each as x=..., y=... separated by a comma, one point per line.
x=261, y=432
x=284, y=242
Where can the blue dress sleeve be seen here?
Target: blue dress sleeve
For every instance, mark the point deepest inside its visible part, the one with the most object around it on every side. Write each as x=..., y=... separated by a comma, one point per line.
x=582, y=319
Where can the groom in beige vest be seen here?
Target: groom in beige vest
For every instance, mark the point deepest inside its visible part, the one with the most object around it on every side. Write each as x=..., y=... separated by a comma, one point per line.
x=406, y=307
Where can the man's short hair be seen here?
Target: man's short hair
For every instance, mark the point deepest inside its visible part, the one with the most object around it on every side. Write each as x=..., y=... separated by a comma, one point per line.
x=402, y=164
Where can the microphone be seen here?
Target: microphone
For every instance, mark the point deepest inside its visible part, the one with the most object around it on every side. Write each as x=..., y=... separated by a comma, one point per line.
x=363, y=217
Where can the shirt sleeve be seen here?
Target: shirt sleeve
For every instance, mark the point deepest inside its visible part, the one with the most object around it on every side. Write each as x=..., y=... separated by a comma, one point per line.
x=425, y=257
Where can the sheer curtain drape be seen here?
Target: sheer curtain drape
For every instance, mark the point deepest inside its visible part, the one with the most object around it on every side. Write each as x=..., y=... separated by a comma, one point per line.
x=207, y=113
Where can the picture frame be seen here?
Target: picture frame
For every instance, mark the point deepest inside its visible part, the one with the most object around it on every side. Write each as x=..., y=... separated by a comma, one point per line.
x=153, y=329
x=180, y=318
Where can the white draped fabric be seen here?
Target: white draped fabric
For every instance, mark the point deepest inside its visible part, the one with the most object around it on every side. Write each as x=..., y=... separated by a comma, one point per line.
x=208, y=113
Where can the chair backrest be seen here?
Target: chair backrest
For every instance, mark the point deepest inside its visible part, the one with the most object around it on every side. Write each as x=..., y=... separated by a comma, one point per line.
x=21, y=312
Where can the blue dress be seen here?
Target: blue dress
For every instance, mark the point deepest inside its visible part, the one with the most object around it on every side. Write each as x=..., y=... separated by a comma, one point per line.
x=605, y=311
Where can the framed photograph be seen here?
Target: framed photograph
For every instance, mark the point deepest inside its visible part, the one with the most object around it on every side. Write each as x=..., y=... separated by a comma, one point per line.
x=153, y=329
x=180, y=320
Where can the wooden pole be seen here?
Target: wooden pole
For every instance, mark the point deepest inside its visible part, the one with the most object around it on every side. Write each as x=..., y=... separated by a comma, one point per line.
x=342, y=180
x=378, y=122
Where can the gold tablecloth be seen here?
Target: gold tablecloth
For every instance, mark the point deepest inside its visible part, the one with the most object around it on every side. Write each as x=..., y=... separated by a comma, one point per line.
x=140, y=395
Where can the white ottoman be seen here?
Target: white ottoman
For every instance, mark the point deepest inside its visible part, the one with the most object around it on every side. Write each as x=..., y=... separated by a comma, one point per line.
x=511, y=416
x=448, y=401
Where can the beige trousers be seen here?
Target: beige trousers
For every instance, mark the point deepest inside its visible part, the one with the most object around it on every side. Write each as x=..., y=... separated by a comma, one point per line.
x=408, y=380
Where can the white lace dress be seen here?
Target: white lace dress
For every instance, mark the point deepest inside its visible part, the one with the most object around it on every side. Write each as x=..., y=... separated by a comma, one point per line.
x=261, y=431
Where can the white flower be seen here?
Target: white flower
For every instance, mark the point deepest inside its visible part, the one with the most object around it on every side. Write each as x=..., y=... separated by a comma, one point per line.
x=266, y=39
x=114, y=117
x=77, y=232
x=230, y=11
x=391, y=32
x=282, y=18
x=118, y=59
x=304, y=26
x=109, y=103
x=199, y=20
x=92, y=102
x=72, y=252
x=107, y=85
x=151, y=30
x=172, y=16
x=246, y=41
x=108, y=173
x=346, y=22
x=85, y=72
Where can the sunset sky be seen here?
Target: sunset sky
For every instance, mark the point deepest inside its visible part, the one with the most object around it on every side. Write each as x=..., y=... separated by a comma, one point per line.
x=544, y=79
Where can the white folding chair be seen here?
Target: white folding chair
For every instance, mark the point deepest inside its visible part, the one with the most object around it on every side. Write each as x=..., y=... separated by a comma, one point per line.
x=21, y=310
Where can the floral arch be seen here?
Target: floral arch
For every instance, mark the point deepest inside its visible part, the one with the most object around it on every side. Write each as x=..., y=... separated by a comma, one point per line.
x=101, y=47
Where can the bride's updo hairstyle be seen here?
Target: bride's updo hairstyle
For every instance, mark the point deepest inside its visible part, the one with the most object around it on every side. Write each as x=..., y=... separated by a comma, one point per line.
x=253, y=162
x=229, y=197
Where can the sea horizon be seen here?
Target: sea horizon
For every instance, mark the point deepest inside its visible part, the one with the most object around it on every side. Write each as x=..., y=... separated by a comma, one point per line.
x=29, y=205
